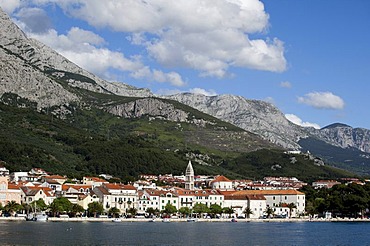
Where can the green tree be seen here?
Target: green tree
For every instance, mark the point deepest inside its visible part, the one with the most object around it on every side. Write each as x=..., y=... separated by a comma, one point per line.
x=60, y=205
x=76, y=209
x=247, y=211
x=132, y=211
x=151, y=211
x=39, y=205
x=114, y=212
x=95, y=208
x=169, y=209
x=200, y=208
x=185, y=211
x=215, y=209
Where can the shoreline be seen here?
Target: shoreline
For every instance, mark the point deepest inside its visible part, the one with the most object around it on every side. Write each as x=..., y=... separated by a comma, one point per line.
x=88, y=219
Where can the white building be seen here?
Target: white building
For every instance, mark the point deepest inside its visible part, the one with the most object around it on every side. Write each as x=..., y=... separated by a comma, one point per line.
x=222, y=183
x=279, y=199
x=120, y=196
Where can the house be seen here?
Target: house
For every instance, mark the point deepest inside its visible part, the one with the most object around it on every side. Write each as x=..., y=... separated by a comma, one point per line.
x=325, y=184
x=85, y=200
x=54, y=178
x=120, y=196
x=188, y=198
x=3, y=170
x=73, y=192
x=38, y=172
x=30, y=194
x=94, y=181
x=158, y=199
x=8, y=191
x=221, y=183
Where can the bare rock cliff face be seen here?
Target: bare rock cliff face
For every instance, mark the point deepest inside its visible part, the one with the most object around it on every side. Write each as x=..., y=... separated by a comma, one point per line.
x=344, y=136
x=149, y=107
x=255, y=116
x=25, y=70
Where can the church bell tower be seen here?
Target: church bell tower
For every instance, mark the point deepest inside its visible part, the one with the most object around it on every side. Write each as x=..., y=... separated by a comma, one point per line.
x=189, y=177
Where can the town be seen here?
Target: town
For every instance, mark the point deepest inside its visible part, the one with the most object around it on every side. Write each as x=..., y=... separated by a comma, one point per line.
x=176, y=196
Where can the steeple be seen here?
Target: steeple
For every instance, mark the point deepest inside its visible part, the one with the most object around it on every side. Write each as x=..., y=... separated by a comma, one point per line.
x=189, y=177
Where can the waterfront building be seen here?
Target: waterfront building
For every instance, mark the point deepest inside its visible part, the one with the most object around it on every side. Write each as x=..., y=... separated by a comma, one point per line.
x=8, y=191
x=120, y=196
x=279, y=199
x=30, y=194
x=240, y=202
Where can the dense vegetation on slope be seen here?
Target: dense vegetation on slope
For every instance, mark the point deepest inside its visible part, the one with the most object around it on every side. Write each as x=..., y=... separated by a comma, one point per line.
x=258, y=164
x=350, y=158
x=91, y=141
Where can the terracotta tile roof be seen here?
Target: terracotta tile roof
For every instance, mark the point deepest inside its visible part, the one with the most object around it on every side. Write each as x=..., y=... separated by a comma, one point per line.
x=220, y=178
x=96, y=179
x=269, y=192
x=55, y=177
x=111, y=186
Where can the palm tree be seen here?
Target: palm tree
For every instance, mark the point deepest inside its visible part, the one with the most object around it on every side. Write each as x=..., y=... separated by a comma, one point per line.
x=247, y=211
x=228, y=210
x=269, y=211
x=12, y=206
x=291, y=206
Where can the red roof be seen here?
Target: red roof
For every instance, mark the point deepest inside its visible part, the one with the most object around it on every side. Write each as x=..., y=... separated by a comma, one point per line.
x=220, y=178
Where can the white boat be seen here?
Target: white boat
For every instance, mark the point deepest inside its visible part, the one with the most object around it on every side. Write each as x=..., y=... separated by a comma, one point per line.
x=191, y=220
x=41, y=217
x=116, y=220
x=166, y=220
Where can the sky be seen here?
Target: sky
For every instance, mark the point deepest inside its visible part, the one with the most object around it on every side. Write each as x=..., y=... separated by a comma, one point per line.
x=310, y=58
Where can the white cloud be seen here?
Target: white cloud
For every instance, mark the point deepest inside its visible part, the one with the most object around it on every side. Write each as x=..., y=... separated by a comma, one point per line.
x=209, y=36
x=10, y=5
x=322, y=100
x=270, y=100
x=286, y=84
x=192, y=90
x=203, y=91
x=87, y=50
x=35, y=20
x=298, y=121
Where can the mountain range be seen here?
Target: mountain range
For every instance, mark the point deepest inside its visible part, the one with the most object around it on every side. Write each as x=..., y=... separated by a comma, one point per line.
x=50, y=83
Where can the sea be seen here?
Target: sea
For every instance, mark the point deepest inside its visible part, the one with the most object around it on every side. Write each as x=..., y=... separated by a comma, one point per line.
x=184, y=233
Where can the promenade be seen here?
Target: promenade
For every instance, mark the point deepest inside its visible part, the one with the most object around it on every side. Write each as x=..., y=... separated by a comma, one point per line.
x=123, y=220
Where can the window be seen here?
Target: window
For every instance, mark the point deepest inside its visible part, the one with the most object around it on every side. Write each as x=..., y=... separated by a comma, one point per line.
x=273, y=198
x=286, y=198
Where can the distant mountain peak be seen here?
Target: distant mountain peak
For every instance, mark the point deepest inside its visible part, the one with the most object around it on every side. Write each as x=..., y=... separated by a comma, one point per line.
x=336, y=125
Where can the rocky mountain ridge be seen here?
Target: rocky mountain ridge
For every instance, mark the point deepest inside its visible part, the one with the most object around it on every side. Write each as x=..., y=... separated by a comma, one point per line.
x=34, y=71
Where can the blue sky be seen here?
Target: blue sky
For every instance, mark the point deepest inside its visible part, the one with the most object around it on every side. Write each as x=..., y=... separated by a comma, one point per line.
x=310, y=58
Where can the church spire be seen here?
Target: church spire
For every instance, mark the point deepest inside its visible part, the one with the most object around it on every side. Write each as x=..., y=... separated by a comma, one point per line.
x=189, y=177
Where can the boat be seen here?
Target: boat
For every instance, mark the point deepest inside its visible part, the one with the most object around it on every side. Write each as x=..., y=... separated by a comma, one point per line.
x=166, y=220
x=116, y=220
x=191, y=220
x=40, y=217
x=233, y=220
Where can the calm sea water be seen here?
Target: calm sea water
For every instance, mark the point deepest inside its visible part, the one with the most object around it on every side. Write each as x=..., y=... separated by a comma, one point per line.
x=182, y=233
